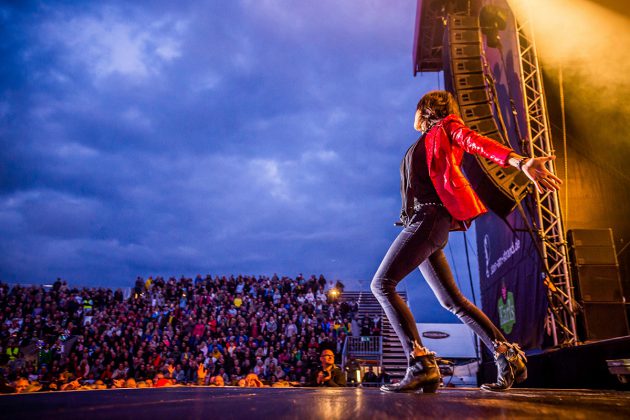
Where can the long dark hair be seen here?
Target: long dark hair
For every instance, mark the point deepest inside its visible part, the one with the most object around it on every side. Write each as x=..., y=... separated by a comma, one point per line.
x=434, y=106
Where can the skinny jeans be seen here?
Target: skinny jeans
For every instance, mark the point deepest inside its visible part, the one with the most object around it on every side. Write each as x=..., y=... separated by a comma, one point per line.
x=420, y=245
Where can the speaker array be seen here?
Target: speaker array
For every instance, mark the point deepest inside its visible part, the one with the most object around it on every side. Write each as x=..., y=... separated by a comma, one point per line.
x=499, y=188
x=597, y=284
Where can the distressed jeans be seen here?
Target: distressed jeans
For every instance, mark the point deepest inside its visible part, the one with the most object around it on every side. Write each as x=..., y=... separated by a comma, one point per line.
x=420, y=245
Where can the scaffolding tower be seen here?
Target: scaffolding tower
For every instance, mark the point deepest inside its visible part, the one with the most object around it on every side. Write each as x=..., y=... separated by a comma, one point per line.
x=561, y=316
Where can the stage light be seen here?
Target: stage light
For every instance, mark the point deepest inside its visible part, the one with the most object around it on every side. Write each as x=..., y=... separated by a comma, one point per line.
x=585, y=40
x=578, y=33
x=492, y=19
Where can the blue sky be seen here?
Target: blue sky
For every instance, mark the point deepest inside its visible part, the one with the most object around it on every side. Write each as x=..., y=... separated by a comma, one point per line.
x=221, y=137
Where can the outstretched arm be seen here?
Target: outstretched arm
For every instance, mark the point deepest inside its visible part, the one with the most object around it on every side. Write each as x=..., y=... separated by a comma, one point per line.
x=473, y=142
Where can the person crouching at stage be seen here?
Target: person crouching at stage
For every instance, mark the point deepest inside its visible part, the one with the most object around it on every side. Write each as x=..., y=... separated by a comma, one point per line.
x=437, y=198
x=329, y=374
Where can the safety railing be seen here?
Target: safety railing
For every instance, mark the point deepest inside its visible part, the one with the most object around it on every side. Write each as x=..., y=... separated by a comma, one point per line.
x=359, y=352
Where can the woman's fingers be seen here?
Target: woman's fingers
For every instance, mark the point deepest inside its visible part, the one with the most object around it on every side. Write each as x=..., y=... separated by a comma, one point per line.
x=542, y=188
x=549, y=177
x=555, y=178
x=546, y=184
x=549, y=186
x=545, y=173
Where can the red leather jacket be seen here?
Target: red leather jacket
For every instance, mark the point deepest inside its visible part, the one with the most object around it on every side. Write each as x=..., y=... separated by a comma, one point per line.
x=445, y=145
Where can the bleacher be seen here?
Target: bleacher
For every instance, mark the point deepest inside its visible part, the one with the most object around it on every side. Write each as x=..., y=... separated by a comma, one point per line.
x=384, y=352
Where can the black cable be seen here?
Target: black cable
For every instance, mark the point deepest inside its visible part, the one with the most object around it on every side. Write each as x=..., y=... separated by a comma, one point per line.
x=472, y=290
x=454, y=266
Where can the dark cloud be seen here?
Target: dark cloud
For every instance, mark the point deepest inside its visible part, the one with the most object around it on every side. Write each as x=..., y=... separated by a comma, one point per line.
x=216, y=137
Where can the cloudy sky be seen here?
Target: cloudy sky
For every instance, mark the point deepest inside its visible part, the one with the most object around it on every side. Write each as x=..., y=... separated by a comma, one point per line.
x=222, y=137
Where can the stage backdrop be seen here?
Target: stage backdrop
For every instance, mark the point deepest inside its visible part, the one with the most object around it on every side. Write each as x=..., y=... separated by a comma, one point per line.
x=512, y=288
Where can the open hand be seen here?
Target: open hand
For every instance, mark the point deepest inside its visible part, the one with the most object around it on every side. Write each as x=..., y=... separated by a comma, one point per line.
x=201, y=371
x=536, y=171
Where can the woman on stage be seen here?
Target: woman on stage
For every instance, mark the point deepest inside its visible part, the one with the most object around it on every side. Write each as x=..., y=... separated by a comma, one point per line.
x=437, y=198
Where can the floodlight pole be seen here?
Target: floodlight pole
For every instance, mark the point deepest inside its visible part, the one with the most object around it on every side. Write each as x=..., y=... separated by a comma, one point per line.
x=549, y=225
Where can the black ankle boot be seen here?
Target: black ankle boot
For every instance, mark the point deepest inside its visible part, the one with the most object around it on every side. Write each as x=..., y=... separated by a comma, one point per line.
x=422, y=373
x=510, y=360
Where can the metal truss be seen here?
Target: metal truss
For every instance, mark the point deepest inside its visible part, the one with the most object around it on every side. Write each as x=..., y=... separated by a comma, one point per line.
x=548, y=218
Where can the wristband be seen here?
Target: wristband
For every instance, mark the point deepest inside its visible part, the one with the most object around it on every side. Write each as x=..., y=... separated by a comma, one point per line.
x=520, y=163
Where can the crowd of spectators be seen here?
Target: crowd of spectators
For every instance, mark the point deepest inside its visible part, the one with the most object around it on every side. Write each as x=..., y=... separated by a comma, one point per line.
x=215, y=331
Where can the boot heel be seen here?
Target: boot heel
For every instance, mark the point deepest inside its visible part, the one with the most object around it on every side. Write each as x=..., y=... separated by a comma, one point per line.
x=431, y=388
x=521, y=378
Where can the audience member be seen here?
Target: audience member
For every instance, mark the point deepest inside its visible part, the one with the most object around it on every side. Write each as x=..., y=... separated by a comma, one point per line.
x=329, y=373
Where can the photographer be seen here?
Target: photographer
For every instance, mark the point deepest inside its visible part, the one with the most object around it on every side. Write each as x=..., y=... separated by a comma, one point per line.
x=329, y=374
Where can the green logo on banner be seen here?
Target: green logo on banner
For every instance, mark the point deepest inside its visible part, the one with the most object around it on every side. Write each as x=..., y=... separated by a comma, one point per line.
x=507, y=311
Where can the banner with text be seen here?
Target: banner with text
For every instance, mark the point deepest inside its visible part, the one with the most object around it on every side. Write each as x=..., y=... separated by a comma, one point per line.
x=513, y=294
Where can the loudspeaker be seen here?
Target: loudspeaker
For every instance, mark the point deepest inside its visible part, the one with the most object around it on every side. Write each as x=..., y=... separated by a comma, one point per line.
x=590, y=237
x=603, y=320
x=467, y=66
x=472, y=96
x=597, y=283
x=477, y=112
x=592, y=246
x=499, y=188
x=488, y=127
x=459, y=51
x=469, y=81
x=593, y=255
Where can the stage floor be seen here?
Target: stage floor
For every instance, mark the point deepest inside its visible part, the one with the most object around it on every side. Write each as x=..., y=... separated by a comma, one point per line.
x=309, y=403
